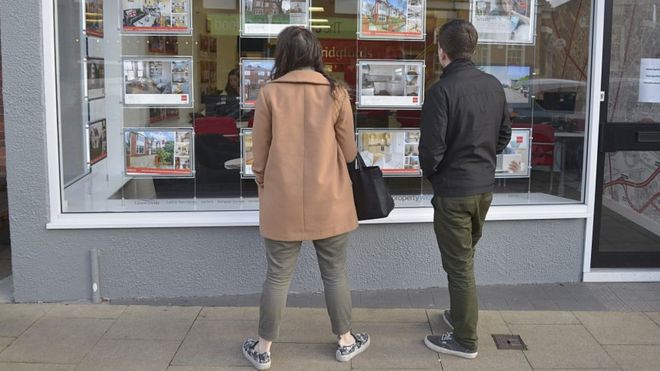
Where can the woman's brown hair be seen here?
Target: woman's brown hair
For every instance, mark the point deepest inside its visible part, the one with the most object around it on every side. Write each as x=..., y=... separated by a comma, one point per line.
x=297, y=47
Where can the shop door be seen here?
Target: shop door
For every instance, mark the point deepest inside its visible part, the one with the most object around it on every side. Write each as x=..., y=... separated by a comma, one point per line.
x=627, y=219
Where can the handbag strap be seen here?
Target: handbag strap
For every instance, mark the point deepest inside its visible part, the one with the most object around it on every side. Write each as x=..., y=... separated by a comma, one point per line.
x=359, y=161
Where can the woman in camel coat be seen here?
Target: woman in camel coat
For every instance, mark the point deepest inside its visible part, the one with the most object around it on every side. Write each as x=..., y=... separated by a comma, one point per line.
x=303, y=138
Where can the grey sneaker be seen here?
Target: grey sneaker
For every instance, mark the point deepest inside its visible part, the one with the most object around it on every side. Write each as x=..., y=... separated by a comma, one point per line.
x=260, y=361
x=446, y=316
x=345, y=354
x=446, y=344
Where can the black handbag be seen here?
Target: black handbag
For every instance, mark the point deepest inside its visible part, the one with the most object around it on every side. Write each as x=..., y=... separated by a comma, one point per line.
x=370, y=193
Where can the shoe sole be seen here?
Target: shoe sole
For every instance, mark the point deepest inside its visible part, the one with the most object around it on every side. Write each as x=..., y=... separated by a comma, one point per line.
x=438, y=349
x=447, y=322
x=257, y=365
x=347, y=358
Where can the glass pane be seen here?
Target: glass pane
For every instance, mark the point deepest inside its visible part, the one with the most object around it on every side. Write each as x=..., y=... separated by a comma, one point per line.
x=161, y=120
x=631, y=202
x=634, y=91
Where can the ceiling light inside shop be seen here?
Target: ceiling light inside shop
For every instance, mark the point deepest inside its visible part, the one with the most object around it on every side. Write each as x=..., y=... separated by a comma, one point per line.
x=319, y=20
x=316, y=9
x=320, y=26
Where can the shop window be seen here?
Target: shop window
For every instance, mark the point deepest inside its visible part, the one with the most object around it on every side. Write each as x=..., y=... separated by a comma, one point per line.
x=162, y=120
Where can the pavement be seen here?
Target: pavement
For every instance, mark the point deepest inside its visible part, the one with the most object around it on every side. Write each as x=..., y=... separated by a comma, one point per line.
x=564, y=326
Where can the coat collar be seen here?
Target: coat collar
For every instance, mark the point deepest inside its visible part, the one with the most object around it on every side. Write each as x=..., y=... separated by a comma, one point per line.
x=457, y=65
x=303, y=77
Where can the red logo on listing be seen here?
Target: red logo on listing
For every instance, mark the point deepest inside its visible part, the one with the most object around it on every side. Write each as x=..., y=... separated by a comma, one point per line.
x=184, y=98
x=415, y=99
x=519, y=139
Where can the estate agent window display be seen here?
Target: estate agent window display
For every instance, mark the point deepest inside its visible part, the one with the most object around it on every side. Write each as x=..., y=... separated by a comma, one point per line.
x=177, y=138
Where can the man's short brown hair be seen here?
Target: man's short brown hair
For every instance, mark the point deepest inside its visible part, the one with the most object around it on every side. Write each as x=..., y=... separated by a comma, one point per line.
x=458, y=38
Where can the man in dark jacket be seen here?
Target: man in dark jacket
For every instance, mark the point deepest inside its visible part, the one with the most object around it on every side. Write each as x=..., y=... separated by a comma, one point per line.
x=465, y=123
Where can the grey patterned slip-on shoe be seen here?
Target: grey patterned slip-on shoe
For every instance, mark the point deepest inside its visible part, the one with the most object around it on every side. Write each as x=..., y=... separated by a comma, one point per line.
x=446, y=316
x=446, y=344
x=260, y=361
x=346, y=353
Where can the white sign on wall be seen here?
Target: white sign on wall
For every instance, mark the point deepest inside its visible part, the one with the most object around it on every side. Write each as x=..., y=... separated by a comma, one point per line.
x=649, y=80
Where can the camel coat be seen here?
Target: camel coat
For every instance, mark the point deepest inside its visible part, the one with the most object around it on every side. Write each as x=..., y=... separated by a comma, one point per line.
x=302, y=140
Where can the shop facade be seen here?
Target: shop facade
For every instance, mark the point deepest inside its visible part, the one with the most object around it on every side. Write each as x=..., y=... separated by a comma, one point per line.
x=129, y=138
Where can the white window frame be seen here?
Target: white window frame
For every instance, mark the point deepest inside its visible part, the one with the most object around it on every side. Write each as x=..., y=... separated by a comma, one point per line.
x=60, y=220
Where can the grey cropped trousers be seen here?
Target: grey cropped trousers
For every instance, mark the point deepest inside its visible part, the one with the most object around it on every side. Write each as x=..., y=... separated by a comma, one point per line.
x=282, y=257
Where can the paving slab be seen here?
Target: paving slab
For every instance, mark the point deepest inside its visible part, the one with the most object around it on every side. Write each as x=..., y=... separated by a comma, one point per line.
x=393, y=299
x=289, y=356
x=635, y=357
x=578, y=369
x=391, y=341
x=305, y=326
x=389, y=315
x=129, y=355
x=215, y=343
x=5, y=341
x=489, y=359
x=56, y=340
x=539, y=317
x=230, y=313
x=654, y=316
x=562, y=346
x=620, y=327
x=490, y=322
x=203, y=368
x=100, y=311
x=16, y=318
x=153, y=323
x=35, y=367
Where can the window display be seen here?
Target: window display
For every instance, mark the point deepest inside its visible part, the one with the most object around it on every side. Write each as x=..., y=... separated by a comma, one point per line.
x=93, y=10
x=396, y=152
x=156, y=16
x=394, y=19
x=158, y=152
x=165, y=113
x=504, y=21
x=268, y=17
x=513, y=162
x=98, y=141
x=158, y=82
x=255, y=73
x=385, y=84
x=95, y=78
x=246, y=154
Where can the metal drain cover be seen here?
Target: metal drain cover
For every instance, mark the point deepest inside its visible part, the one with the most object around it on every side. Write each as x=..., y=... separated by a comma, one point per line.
x=509, y=342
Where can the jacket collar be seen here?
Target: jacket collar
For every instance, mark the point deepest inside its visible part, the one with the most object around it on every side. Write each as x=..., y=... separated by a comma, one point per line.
x=457, y=65
x=303, y=77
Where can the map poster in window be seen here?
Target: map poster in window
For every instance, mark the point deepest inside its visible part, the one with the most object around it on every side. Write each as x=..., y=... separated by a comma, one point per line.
x=255, y=73
x=263, y=18
x=390, y=84
x=95, y=78
x=246, y=154
x=98, y=141
x=504, y=21
x=156, y=16
x=158, y=82
x=159, y=152
x=514, y=161
x=93, y=18
x=395, y=151
x=392, y=19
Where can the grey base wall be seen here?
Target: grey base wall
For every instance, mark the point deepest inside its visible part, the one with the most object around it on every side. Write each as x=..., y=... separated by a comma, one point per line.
x=197, y=262
x=201, y=262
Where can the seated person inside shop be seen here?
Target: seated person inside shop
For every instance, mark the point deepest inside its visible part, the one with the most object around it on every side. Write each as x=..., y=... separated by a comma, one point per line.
x=226, y=102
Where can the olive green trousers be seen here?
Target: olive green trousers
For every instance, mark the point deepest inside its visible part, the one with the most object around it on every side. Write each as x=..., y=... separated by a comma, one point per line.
x=282, y=257
x=458, y=223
